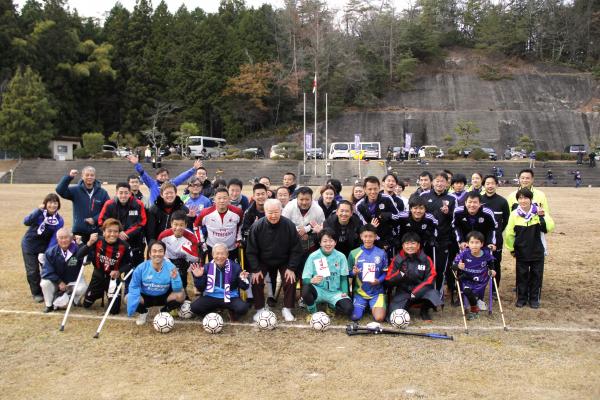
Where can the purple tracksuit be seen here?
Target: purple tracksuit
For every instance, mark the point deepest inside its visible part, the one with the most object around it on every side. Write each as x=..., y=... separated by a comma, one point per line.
x=475, y=275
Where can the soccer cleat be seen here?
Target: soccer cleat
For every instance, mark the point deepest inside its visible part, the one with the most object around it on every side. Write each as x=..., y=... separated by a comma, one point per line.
x=141, y=319
x=520, y=303
x=287, y=315
x=481, y=304
x=471, y=316
x=534, y=304
x=255, y=317
x=38, y=298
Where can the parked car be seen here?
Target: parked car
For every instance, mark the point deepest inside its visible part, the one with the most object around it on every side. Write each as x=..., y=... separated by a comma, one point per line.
x=254, y=152
x=517, y=153
x=465, y=152
x=122, y=152
x=311, y=153
x=575, y=148
x=491, y=153
x=108, y=148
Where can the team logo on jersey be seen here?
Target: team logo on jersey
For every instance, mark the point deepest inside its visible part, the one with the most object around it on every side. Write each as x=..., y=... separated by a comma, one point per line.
x=377, y=259
x=424, y=226
x=381, y=206
x=484, y=264
x=133, y=212
x=430, y=201
x=481, y=220
x=408, y=224
x=421, y=267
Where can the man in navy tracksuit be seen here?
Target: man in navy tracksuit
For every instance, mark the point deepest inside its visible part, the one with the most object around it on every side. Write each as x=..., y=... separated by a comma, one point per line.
x=88, y=198
x=474, y=217
x=499, y=206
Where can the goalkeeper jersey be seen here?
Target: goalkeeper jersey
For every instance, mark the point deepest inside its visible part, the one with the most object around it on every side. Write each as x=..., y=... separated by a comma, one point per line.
x=371, y=262
x=332, y=267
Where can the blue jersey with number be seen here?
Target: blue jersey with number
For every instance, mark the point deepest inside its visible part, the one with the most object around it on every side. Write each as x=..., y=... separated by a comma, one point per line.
x=368, y=258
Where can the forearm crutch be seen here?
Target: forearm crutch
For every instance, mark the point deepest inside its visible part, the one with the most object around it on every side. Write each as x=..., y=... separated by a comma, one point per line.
x=110, y=305
x=499, y=304
x=64, y=321
x=462, y=306
x=243, y=293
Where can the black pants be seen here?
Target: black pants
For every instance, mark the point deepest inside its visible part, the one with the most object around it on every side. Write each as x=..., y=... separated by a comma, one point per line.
x=452, y=252
x=182, y=265
x=343, y=306
x=497, y=267
x=441, y=262
x=529, y=280
x=32, y=270
x=96, y=289
x=206, y=304
x=289, y=289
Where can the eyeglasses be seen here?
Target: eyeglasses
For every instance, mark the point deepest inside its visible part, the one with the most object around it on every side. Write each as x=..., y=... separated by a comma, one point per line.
x=195, y=185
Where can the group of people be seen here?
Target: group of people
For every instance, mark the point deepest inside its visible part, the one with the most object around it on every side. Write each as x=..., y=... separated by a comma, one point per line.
x=377, y=251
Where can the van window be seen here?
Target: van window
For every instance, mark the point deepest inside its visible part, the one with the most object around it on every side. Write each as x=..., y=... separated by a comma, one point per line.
x=211, y=143
x=340, y=146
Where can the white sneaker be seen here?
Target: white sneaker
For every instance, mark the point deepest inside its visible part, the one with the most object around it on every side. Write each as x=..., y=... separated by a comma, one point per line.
x=141, y=319
x=481, y=304
x=287, y=314
x=255, y=318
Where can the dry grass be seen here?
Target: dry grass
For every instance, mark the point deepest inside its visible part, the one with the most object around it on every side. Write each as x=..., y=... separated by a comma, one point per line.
x=128, y=361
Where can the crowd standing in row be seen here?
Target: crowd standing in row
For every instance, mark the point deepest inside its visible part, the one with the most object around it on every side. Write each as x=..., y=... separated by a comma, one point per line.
x=377, y=251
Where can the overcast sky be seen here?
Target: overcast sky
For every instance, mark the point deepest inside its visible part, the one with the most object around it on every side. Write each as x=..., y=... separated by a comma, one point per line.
x=97, y=8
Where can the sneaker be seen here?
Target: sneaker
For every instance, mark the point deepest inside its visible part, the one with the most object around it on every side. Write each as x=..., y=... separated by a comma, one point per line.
x=271, y=302
x=520, y=303
x=471, y=316
x=49, y=309
x=38, y=298
x=255, y=317
x=534, y=304
x=482, y=305
x=287, y=314
x=141, y=319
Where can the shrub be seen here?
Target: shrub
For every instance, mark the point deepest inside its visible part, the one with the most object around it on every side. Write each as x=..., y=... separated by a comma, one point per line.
x=103, y=155
x=174, y=157
x=93, y=142
x=568, y=156
x=478, y=154
x=81, y=152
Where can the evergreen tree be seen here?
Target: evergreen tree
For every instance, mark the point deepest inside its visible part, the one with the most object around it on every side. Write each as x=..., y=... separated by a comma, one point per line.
x=26, y=116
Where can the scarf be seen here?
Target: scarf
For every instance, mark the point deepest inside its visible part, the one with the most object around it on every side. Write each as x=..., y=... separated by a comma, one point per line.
x=210, y=279
x=527, y=215
x=50, y=220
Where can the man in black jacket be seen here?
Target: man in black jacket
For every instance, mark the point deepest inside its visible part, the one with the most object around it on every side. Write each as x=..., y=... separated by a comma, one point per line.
x=132, y=215
x=379, y=210
x=159, y=215
x=499, y=206
x=474, y=217
x=273, y=245
x=346, y=225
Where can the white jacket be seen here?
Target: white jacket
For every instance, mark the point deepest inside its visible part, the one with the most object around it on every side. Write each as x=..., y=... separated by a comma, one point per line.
x=315, y=213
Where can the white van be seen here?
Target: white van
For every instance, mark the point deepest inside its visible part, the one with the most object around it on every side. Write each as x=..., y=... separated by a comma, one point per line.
x=213, y=146
x=341, y=150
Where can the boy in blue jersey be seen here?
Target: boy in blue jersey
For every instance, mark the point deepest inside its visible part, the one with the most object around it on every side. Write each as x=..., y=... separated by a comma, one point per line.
x=368, y=266
x=325, y=276
x=155, y=282
x=220, y=281
x=474, y=266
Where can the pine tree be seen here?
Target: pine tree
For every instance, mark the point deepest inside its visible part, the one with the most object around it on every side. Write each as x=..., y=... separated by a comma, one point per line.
x=26, y=116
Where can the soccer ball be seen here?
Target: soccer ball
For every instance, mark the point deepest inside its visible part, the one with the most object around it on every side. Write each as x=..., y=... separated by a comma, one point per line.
x=320, y=321
x=213, y=323
x=185, y=311
x=163, y=322
x=267, y=320
x=400, y=318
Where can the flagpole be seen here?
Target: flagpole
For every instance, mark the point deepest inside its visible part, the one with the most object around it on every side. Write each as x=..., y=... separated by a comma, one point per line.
x=304, y=136
x=315, y=141
x=326, y=149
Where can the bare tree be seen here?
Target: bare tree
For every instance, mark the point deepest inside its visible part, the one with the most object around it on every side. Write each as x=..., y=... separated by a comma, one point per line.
x=153, y=135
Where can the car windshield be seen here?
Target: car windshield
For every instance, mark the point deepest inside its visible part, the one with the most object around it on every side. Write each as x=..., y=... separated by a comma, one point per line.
x=340, y=146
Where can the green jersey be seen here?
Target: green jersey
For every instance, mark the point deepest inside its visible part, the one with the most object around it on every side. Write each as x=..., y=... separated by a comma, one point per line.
x=333, y=268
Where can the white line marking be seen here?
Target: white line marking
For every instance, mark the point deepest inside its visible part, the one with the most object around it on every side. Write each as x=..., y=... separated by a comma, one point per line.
x=571, y=329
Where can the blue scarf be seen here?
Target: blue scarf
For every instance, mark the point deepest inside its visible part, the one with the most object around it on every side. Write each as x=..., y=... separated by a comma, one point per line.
x=210, y=279
x=46, y=219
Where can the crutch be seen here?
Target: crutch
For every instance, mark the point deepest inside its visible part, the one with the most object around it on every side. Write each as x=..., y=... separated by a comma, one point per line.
x=110, y=305
x=500, y=304
x=64, y=321
x=462, y=306
x=243, y=293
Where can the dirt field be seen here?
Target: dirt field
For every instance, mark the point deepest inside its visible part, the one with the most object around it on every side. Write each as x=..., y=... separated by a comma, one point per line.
x=552, y=352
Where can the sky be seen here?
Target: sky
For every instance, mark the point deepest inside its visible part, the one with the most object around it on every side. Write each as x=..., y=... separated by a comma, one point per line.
x=97, y=8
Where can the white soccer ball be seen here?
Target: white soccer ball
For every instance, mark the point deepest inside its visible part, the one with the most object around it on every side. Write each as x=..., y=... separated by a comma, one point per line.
x=320, y=321
x=213, y=323
x=185, y=311
x=267, y=320
x=163, y=322
x=400, y=318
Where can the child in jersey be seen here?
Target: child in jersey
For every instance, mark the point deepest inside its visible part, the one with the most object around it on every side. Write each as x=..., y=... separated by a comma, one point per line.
x=474, y=267
x=325, y=276
x=181, y=246
x=368, y=265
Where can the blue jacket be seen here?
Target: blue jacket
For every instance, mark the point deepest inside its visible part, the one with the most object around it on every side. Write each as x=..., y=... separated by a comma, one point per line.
x=145, y=280
x=34, y=242
x=57, y=269
x=84, y=205
x=154, y=186
x=219, y=290
x=242, y=202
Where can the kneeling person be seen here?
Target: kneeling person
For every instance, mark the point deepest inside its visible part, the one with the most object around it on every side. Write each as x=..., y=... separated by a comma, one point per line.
x=155, y=282
x=368, y=267
x=60, y=271
x=325, y=276
x=413, y=273
x=472, y=266
x=220, y=281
